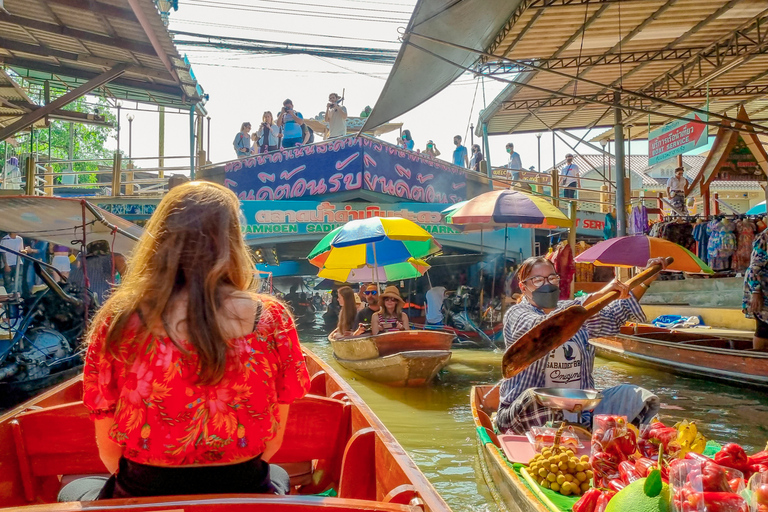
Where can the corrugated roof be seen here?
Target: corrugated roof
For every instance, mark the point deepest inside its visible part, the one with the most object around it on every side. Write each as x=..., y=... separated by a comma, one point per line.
x=686, y=51
x=68, y=42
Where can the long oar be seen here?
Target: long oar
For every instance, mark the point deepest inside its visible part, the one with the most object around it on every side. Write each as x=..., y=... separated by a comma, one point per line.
x=559, y=328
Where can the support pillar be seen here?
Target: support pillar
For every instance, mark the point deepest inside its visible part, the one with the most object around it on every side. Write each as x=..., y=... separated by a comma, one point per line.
x=487, y=150
x=29, y=172
x=555, y=191
x=572, y=208
x=48, y=179
x=618, y=130
x=706, y=206
x=117, y=170
x=161, y=144
x=192, y=142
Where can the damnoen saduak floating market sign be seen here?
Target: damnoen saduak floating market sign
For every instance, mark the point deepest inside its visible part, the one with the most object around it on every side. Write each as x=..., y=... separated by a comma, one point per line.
x=676, y=138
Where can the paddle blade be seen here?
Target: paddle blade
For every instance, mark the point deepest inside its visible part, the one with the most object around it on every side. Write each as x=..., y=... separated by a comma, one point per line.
x=542, y=339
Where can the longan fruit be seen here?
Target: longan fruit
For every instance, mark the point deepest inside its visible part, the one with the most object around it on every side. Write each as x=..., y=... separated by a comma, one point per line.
x=585, y=487
x=554, y=486
x=581, y=476
x=542, y=472
x=552, y=477
x=553, y=468
x=560, y=479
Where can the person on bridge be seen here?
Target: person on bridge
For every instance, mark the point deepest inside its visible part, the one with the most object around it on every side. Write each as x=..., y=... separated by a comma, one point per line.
x=189, y=375
x=460, y=157
x=391, y=316
x=570, y=365
x=569, y=178
x=336, y=116
x=291, y=123
x=431, y=150
x=242, y=142
x=267, y=135
x=677, y=189
x=477, y=159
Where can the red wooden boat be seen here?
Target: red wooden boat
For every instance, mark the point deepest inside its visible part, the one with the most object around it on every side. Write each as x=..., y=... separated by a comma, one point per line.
x=333, y=440
x=690, y=353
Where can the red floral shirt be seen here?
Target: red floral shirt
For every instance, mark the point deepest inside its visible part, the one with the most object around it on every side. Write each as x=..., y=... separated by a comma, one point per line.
x=162, y=416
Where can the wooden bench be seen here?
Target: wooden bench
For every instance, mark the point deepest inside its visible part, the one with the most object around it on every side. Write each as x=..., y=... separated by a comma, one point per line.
x=60, y=440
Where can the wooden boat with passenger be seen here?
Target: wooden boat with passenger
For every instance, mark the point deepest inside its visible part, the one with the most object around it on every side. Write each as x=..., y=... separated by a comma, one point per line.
x=332, y=441
x=688, y=352
x=399, y=358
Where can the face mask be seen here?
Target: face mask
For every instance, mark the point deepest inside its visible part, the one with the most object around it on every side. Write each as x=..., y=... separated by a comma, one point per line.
x=546, y=296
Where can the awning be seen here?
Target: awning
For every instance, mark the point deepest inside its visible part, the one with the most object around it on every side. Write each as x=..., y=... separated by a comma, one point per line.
x=60, y=220
x=424, y=67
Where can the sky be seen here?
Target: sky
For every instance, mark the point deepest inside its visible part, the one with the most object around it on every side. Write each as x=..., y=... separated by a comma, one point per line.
x=242, y=86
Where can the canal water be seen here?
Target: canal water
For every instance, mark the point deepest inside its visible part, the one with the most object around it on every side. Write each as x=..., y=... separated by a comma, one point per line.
x=435, y=427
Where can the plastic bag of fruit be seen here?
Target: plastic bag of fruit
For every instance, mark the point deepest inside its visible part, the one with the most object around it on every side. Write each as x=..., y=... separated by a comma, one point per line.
x=612, y=443
x=701, y=485
x=758, y=486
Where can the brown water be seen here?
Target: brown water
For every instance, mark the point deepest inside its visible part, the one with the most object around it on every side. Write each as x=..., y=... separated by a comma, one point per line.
x=435, y=426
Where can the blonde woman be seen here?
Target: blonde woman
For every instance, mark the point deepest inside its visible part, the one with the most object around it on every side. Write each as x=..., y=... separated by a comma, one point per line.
x=267, y=134
x=391, y=316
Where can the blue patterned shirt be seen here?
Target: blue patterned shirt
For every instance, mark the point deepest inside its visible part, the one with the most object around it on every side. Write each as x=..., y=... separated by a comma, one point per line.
x=756, y=276
x=522, y=317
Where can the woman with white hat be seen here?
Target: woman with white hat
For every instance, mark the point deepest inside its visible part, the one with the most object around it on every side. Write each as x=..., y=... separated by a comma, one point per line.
x=390, y=317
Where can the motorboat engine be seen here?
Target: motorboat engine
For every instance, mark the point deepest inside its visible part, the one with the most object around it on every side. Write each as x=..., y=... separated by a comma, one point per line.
x=33, y=359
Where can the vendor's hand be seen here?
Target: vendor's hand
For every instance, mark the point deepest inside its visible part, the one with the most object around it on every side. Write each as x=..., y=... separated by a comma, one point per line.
x=617, y=286
x=755, y=302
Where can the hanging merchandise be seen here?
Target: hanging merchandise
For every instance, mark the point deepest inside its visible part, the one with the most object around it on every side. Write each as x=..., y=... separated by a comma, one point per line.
x=701, y=235
x=562, y=259
x=638, y=221
x=745, y=228
x=722, y=243
x=609, y=231
x=584, y=271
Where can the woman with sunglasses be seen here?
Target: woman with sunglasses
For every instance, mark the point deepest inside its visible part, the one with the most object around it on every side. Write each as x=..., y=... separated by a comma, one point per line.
x=571, y=365
x=391, y=316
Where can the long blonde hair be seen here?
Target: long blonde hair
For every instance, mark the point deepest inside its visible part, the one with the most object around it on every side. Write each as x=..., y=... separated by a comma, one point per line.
x=192, y=243
x=348, y=310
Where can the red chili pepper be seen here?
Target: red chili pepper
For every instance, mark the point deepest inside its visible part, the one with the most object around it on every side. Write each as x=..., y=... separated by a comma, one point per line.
x=588, y=501
x=733, y=456
x=616, y=485
x=643, y=466
x=628, y=473
x=759, y=458
x=602, y=501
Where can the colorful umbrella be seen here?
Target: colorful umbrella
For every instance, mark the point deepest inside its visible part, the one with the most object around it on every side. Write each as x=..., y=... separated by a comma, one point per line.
x=394, y=272
x=374, y=242
x=499, y=208
x=758, y=209
x=636, y=250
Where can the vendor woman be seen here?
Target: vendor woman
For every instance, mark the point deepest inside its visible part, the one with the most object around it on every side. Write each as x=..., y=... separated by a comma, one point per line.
x=570, y=365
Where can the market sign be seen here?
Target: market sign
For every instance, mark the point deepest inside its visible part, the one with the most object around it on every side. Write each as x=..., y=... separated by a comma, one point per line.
x=676, y=138
x=740, y=165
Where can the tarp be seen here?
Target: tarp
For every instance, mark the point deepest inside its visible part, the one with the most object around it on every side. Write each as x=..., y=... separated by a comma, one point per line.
x=418, y=75
x=60, y=220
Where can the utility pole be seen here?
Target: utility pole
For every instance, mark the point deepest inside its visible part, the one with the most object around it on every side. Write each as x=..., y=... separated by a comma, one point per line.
x=618, y=130
x=161, y=144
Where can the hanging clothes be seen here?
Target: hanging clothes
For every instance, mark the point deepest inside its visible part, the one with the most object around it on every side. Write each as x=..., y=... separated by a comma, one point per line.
x=562, y=259
x=609, y=230
x=638, y=220
x=722, y=243
x=745, y=229
x=701, y=236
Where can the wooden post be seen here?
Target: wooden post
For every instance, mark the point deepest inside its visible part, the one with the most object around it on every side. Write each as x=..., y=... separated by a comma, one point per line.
x=129, y=179
x=29, y=170
x=161, y=144
x=604, y=198
x=117, y=168
x=572, y=234
x=717, y=205
x=48, y=180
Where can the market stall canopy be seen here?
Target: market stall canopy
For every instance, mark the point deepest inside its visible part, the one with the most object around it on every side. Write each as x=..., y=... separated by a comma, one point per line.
x=693, y=53
x=60, y=220
x=418, y=74
x=121, y=48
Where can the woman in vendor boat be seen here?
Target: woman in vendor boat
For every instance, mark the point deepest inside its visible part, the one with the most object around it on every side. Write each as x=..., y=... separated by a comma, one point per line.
x=346, y=326
x=391, y=316
x=570, y=365
x=189, y=375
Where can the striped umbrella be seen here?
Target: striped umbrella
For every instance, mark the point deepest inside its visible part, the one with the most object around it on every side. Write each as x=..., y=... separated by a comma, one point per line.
x=636, y=250
x=499, y=208
x=396, y=271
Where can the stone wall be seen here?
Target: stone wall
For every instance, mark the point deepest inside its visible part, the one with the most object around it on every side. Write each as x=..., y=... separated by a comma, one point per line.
x=712, y=293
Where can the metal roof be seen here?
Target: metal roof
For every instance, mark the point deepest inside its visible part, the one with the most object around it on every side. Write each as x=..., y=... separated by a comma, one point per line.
x=68, y=42
x=686, y=51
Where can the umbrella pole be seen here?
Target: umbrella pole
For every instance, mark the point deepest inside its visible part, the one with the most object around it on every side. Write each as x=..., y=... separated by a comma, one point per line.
x=375, y=268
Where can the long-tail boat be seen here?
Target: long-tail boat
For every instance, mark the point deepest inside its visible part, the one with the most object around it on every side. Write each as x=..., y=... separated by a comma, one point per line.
x=690, y=353
x=332, y=441
x=400, y=358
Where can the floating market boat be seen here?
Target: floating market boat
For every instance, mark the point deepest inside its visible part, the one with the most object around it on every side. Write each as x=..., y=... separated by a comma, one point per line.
x=507, y=484
x=332, y=441
x=400, y=358
x=690, y=353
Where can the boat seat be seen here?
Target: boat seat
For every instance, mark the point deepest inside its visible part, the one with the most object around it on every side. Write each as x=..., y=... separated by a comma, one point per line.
x=315, y=436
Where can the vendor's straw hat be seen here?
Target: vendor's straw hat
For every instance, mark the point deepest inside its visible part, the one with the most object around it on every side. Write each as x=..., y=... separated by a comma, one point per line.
x=392, y=291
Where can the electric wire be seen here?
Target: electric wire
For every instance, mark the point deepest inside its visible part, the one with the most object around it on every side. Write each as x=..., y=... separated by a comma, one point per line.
x=297, y=12
x=301, y=4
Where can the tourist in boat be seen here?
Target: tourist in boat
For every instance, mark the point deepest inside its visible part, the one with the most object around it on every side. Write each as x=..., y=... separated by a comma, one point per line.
x=364, y=316
x=391, y=316
x=571, y=365
x=755, y=302
x=189, y=375
x=347, y=326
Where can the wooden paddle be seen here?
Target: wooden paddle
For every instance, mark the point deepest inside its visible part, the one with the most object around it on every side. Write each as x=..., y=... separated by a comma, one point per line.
x=560, y=327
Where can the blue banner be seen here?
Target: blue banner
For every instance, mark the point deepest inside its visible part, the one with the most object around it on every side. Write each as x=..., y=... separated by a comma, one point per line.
x=345, y=165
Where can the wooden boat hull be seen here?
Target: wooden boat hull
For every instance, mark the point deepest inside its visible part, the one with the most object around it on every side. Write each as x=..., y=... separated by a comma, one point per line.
x=389, y=343
x=405, y=369
x=688, y=353
x=508, y=491
x=361, y=460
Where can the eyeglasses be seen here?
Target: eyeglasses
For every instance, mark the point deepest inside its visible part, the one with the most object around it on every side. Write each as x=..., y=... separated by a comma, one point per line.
x=538, y=281
x=371, y=292
x=390, y=299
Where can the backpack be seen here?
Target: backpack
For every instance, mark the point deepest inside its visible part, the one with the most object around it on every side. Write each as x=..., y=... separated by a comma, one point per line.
x=304, y=130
